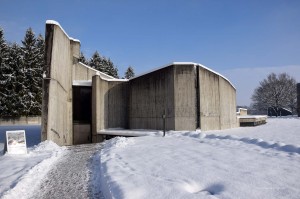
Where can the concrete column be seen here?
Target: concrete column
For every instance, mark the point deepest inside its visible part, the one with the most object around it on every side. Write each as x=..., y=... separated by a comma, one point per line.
x=96, y=124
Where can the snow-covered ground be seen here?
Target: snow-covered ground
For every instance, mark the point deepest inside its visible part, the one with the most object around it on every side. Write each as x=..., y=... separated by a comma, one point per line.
x=284, y=130
x=246, y=162
x=206, y=165
x=21, y=175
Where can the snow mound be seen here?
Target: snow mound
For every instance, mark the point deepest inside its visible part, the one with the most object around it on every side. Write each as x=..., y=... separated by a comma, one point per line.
x=118, y=142
x=47, y=146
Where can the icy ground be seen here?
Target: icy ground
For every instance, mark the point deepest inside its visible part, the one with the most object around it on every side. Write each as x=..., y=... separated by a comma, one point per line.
x=250, y=162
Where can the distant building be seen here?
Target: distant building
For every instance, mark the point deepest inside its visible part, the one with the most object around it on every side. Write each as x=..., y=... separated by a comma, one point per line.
x=79, y=103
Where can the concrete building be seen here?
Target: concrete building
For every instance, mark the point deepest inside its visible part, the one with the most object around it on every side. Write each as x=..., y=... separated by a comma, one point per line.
x=80, y=102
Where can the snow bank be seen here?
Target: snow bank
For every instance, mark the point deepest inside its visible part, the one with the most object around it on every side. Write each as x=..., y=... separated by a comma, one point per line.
x=202, y=165
x=23, y=172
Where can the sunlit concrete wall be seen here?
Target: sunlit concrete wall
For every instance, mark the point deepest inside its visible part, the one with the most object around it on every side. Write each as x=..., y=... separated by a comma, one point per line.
x=57, y=86
x=217, y=101
x=209, y=100
x=84, y=72
x=31, y=120
x=185, y=100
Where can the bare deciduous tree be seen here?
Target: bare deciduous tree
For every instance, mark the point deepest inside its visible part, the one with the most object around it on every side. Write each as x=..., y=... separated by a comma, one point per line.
x=275, y=92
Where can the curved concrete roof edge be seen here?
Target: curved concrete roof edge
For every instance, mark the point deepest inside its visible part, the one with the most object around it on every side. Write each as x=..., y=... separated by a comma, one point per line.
x=185, y=63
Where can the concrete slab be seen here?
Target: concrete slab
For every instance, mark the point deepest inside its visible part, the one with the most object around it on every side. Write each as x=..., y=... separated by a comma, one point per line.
x=130, y=132
x=252, y=120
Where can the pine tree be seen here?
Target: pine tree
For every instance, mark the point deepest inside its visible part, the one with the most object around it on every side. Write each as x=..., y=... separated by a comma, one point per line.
x=82, y=59
x=16, y=105
x=40, y=45
x=30, y=57
x=96, y=62
x=103, y=65
x=129, y=73
x=5, y=75
x=110, y=69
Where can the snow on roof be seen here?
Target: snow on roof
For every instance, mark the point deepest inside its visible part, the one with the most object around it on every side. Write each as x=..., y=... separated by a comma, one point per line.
x=185, y=63
x=56, y=23
x=103, y=75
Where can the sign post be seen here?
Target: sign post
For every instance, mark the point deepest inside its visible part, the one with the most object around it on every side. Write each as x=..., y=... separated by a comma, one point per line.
x=16, y=142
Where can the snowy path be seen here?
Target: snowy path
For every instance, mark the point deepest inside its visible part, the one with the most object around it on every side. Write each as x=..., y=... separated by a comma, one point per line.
x=74, y=175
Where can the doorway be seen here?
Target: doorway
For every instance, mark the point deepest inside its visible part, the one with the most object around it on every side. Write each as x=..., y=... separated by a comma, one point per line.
x=82, y=114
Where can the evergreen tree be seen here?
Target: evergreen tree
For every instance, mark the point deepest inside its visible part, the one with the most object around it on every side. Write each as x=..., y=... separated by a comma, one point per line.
x=96, y=62
x=82, y=59
x=109, y=68
x=5, y=75
x=40, y=45
x=103, y=64
x=129, y=73
x=30, y=55
x=16, y=105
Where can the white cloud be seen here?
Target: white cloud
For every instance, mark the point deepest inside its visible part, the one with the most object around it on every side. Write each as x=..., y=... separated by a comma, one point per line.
x=247, y=79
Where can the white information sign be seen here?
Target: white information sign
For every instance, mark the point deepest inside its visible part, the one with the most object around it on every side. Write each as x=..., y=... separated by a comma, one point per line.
x=16, y=142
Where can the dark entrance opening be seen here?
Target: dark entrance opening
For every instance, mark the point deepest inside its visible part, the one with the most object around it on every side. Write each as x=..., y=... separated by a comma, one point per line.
x=82, y=114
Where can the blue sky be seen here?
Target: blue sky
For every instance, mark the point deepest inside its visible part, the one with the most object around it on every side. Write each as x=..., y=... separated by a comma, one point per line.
x=223, y=35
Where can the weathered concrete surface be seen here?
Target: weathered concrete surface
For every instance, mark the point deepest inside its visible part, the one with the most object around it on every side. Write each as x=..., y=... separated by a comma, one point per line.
x=57, y=86
x=209, y=100
x=84, y=72
x=185, y=97
x=75, y=175
x=110, y=105
x=20, y=121
x=228, y=117
x=151, y=96
x=217, y=101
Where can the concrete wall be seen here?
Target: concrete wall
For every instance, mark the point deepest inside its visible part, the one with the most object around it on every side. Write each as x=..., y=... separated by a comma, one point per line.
x=84, y=72
x=228, y=117
x=185, y=97
x=193, y=97
x=217, y=101
x=110, y=105
x=57, y=88
x=150, y=96
x=20, y=121
x=209, y=100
